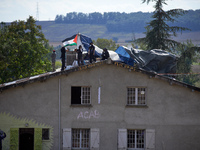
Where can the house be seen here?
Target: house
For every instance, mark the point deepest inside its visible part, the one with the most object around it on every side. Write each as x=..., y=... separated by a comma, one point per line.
x=101, y=106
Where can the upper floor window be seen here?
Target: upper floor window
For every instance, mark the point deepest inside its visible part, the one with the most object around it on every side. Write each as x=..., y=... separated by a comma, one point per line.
x=136, y=96
x=80, y=95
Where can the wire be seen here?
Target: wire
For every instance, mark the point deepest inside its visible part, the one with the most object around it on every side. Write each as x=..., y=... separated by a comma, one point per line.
x=177, y=74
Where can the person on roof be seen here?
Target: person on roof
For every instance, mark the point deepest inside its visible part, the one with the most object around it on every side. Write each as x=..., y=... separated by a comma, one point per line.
x=91, y=52
x=63, y=51
x=105, y=55
x=2, y=136
x=80, y=56
x=53, y=60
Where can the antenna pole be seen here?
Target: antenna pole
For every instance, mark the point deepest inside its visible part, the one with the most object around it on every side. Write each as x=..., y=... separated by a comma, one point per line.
x=37, y=13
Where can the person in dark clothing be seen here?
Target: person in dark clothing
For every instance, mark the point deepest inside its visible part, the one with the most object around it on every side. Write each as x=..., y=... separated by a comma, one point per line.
x=63, y=51
x=91, y=52
x=2, y=136
x=53, y=60
x=80, y=56
x=105, y=54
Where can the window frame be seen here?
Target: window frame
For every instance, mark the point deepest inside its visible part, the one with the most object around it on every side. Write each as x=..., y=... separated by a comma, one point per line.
x=149, y=138
x=135, y=131
x=133, y=100
x=84, y=89
x=48, y=130
x=83, y=98
x=80, y=138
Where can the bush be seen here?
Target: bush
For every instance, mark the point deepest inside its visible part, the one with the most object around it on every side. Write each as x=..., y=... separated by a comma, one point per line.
x=58, y=64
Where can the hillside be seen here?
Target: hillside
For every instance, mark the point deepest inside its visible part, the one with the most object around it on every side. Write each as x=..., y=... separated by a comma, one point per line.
x=56, y=32
x=115, y=25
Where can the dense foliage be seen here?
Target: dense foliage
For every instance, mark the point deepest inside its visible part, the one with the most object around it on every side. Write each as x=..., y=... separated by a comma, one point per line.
x=127, y=22
x=105, y=43
x=188, y=55
x=22, y=50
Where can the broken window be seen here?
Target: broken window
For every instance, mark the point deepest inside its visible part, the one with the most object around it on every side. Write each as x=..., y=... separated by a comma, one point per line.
x=136, y=96
x=80, y=95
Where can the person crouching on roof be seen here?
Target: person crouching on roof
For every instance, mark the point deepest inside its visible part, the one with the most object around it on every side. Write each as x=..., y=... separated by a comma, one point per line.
x=105, y=54
x=80, y=56
x=91, y=52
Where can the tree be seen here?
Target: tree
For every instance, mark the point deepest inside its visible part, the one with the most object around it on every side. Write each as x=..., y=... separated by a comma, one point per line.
x=105, y=43
x=187, y=56
x=159, y=33
x=22, y=50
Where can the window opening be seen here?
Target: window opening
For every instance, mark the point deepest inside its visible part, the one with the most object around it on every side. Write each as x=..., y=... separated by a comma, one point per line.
x=80, y=95
x=45, y=134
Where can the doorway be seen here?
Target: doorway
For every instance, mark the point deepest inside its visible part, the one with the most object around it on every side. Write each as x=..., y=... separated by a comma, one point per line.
x=26, y=139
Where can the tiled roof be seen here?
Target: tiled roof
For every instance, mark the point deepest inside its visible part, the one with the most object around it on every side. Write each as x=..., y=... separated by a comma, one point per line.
x=45, y=76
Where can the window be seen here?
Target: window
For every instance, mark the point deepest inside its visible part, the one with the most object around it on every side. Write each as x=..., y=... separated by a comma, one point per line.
x=135, y=139
x=80, y=95
x=45, y=134
x=136, y=96
x=80, y=138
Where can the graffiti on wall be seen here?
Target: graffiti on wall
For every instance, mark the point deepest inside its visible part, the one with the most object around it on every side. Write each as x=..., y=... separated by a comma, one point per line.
x=88, y=114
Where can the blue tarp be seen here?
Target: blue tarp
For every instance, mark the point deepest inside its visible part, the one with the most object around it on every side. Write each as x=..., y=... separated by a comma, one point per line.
x=124, y=55
x=85, y=41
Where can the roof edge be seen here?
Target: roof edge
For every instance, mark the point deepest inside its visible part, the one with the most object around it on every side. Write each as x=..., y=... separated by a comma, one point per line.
x=45, y=76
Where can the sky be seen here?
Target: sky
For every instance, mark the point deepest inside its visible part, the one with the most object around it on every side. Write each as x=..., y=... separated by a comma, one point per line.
x=44, y=10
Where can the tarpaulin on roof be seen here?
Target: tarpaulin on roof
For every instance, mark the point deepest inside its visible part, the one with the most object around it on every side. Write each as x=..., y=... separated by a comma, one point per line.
x=125, y=55
x=156, y=60
x=85, y=41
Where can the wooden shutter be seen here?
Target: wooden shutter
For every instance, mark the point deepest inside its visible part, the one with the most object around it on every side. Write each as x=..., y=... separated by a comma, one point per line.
x=150, y=139
x=94, y=139
x=122, y=139
x=67, y=138
x=14, y=138
x=38, y=139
